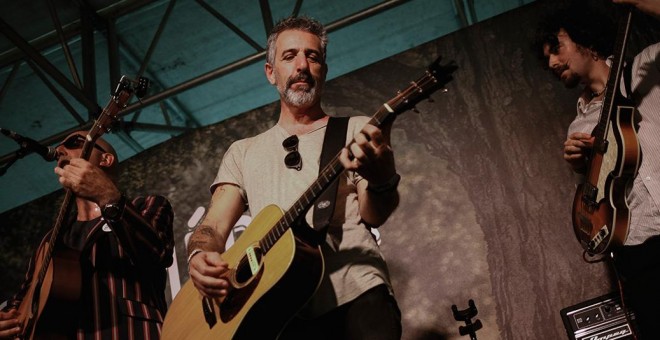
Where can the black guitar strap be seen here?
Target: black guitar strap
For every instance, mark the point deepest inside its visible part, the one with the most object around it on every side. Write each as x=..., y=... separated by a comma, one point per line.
x=627, y=78
x=334, y=140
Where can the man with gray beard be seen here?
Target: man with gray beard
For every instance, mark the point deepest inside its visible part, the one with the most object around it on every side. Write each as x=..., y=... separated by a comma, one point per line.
x=355, y=299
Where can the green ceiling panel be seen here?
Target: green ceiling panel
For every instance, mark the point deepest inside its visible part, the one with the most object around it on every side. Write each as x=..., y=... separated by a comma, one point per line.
x=192, y=43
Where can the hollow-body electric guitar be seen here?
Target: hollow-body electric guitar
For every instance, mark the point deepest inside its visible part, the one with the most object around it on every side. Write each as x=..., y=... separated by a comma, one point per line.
x=600, y=209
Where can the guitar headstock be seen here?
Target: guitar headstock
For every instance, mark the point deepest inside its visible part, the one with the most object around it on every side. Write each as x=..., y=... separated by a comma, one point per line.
x=436, y=77
x=119, y=100
x=125, y=89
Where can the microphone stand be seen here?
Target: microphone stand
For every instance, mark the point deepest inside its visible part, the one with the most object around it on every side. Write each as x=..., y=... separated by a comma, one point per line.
x=466, y=316
x=22, y=152
x=18, y=154
x=6, y=166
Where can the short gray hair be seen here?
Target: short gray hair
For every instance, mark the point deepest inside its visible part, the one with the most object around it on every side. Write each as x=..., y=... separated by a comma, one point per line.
x=304, y=24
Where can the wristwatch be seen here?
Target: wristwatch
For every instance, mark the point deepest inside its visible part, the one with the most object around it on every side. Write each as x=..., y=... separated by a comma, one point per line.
x=114, y=211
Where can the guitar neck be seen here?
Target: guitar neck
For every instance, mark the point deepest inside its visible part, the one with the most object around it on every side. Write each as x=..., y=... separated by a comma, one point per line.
x=326, y=177
x=435, y=77
x=614, y=79
x=64, y=212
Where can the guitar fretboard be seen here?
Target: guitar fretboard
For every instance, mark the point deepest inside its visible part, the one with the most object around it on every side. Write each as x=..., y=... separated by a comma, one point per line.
x=401, y=102
x=613, y=81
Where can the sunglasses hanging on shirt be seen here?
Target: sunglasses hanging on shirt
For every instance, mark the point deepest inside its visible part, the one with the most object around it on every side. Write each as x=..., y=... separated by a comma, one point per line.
x=292, y=160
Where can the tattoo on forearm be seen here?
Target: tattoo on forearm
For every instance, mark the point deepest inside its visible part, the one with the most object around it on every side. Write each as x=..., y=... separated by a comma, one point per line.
x=204, y=238
x=206, y=231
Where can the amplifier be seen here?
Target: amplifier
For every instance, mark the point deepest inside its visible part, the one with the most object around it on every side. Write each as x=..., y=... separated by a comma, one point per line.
x=601, y=318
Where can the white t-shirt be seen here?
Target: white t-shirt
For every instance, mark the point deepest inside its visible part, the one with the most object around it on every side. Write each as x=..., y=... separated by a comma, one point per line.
x=353, y=260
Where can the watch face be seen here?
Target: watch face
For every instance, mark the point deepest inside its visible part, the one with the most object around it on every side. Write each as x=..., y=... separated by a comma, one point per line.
x=114, y=211
x=111, y=211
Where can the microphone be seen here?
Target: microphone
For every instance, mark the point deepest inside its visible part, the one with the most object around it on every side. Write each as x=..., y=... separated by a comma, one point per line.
x=46, y=152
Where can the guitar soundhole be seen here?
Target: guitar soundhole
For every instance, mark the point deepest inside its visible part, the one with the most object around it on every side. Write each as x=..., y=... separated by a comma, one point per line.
x=248, y=266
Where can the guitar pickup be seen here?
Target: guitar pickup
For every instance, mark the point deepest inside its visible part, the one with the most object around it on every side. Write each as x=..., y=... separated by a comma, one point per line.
x=589, y=194
x=585, y=224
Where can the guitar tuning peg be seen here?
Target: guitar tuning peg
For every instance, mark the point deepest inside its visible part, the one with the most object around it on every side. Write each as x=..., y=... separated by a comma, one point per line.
x=444, y=90
x=142, y=87
x=414, y=109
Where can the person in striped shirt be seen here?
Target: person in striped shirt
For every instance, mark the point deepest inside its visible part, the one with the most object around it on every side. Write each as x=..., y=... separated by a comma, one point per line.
x=124, y=248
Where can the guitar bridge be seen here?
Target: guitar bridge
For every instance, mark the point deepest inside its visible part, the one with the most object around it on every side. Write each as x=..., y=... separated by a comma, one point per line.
x=596, y=240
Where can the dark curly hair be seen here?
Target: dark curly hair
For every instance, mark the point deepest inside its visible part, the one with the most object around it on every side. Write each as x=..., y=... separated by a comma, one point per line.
x=587, y=27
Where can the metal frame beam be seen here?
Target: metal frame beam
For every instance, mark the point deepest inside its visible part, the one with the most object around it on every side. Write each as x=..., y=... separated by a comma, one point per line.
x=10, y=78
x=266, y=15
x=460, y=8
x=230, y=25
x=246, y=61
x=214, y=74
x=56, y=93
x=156, y=38
x=31, y=53
x=72, y=29
x=88, y=56
x=114, y=66
x=64, y=44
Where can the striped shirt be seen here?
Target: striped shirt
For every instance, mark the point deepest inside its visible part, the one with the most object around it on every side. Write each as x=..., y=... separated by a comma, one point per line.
x=644, y=197
x=123, y=273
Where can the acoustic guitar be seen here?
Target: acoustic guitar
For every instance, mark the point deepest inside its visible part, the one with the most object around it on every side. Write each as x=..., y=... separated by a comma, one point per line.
x=48, y=308
x=276, y=265
x=600, y=210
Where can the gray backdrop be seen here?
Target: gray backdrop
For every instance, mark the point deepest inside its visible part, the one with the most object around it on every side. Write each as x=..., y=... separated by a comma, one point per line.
x=485, y=194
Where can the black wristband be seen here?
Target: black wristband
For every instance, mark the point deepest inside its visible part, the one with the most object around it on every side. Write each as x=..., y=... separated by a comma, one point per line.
x=388, y=186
